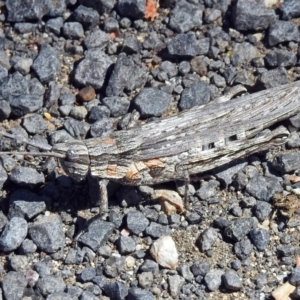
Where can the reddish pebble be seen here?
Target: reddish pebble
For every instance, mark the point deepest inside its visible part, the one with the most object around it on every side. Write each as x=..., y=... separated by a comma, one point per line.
x=87, y=94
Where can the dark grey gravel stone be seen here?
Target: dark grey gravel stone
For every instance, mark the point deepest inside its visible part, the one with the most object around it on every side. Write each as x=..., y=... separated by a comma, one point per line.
x=76, y=128
x=287, y=250
x=24, y=104
x=273, y=78
x=175, y=284
x=185, y=272
x=13, y=234
x=66, y=97
x=132, y=8
x=97, y=234
x=61, y=296
x=236, y=265
x=118, y=106
x=287, y=162
x=27, y=247
x=18, y=262
x=200, y=268
x=25, y=27
x=116, y=290
x=136, y=222
x=92, y=69
x=125, y=244
x=86, y=16
x=86, y=295
x=19, y=12
x=102, y=6
x=280, y=58
x=283, y=31
x=262, y=210
x=156, y=230
x=149, y=266
x=47, y=64
x=159, y=103
x=98, y=113
x=5, y=110
x=73, y=30
x=50, y=284
x=208, y=189
x=48, y=234
x=232, y=281
x=135, y=293
x=131, y=45
x=193, y=218
x=25, y=176
x=263, y=188
x=13, y=85
x=113, y=266
x=13, y=285
x=102, y=128
x=123, y=69
x=213, y=279
x=239, y=228
x=54, y=25
x=184, y=46
x=88, y=274
x=96, y=39
x=111, y=25
x=243, y=249
x=53, y=93
x=290, y=9
x=196, y=94
x=185, y=16
x=3, y=220
x=207, y=239
x=295, y=277
x=42, y=268
x=252, y=15
x=243, y=53
x=28, y=203
x=59, y=136
x=260, y=238
x=35, y=124
x=3, y=176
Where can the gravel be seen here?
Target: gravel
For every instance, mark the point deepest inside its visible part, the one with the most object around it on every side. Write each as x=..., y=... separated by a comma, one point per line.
x=74, y=70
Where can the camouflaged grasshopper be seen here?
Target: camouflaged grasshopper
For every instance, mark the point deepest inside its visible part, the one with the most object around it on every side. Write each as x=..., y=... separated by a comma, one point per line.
x=192, y=142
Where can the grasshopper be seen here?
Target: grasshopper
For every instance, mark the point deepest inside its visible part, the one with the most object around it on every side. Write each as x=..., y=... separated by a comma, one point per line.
x=176, y=147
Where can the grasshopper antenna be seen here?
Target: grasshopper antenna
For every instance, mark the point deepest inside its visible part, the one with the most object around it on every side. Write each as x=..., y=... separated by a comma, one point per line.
x=34, y=144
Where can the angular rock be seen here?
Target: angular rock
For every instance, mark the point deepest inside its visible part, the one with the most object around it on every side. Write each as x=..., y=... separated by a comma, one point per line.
x=273, y=78
x=263, y=188
x=25, y=176
x=156, y=230
x=287, y=162
x=47, y=64
x=185, y=16
x=87, y=16
x=262, y=210
x=135, y=293
x=97, y=234
x=125, y=245
x=239, y=228
x=48, y=234
x=232, y=281
x=290, y=9
x=184, y=45
x=207, y=239
x=96, y=39
x=213, y=279
x=116, y=290
x=136, y=222
x=118, y=106
x=283, y=31
x=260, y=237
x=252, y=15
x=175, y=284
x=158, y=104
x=92, y=69
x=13, y=285
x=13, y=234
x=243, y=249
x=24, y=104
x=50, y=284
x=35, y=124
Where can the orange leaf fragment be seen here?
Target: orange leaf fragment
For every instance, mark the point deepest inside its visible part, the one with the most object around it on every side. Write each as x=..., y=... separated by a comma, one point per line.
x=151, y=9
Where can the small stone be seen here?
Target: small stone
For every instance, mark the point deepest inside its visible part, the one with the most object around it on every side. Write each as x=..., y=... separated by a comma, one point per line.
x=200, y=268
x=175, y=284
x=116, y=290
x=13, y=234
x=232, y=281
x=34, y=124
x=164, y=252
x=159, y=103
x=48, y=234
x=73, y=30
x=185, y=16
x=50, y=284
x=287, y=162
x=185, y=272
x=243, y=249
x=136, y=222
x=260, y=238
x=156, y=230
x=13, y=285
x=32, y=277
x=118, y=106
x=213, y=279
x=295, y=277
x=87, y=94
x=24, y=176
x=207, y=239
x=88, y=274
x=125, y=244
x=130, y=262
x=18, y=262
x=239, y=228
x=135, y=293
x=145, y=279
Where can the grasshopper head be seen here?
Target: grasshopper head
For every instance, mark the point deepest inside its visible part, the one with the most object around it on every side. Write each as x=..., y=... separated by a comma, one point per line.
x=76, y=162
